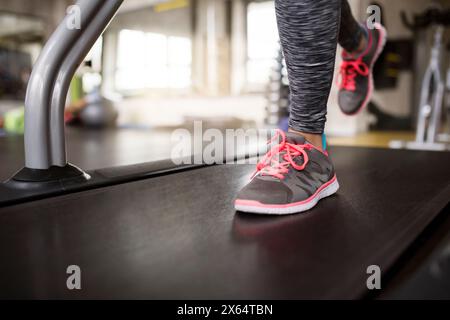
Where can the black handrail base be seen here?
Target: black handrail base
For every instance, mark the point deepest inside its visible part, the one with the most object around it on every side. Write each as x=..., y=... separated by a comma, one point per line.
x=54, y=173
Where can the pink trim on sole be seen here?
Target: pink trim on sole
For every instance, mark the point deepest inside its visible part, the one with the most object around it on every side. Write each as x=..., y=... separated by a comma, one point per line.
x=327, y=189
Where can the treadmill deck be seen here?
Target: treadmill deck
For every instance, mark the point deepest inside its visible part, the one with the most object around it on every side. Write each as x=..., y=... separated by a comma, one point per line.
x=178, y=236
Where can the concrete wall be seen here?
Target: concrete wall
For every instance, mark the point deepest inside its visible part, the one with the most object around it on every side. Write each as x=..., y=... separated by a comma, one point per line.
x=212, y=60
x=238, y=46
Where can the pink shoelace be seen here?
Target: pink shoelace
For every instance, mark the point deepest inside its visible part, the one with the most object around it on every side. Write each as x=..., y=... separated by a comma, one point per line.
x=349, y=70
x=279, y=158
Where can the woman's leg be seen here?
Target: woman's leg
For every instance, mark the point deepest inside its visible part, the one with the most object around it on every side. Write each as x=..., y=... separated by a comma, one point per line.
x=295, y=174
x=309, y=35
x=352, y=35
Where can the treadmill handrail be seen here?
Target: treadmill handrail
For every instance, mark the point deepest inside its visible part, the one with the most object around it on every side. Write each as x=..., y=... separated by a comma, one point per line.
x=71, y=62
x=60, y=55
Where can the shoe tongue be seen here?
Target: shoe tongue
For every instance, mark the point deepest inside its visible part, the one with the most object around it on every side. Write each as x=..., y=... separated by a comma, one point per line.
x=346, y=56
x=295, y=138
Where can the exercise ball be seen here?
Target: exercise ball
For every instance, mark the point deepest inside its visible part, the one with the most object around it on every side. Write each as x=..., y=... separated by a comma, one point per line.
x=100, y=113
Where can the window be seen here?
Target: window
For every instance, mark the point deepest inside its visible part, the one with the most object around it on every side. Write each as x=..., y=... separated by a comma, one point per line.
x=262, y=41
x=92, y=76
x=152, y=61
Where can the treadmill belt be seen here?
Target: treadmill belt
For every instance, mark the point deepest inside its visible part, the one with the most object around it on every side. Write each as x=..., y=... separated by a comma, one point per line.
x=178, y=236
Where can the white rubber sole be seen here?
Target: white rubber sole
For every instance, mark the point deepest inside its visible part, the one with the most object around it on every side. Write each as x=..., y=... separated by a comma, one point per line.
x=326, y=190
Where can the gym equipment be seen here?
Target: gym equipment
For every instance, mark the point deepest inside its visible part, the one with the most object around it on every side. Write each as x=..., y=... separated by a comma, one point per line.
x=433, y=86
x=14, y=65
x=445, y=137
x=277, y=94
x=46, y=166
x=93, y=109
x=158, y=230
x=99, y=112
x=386, y=121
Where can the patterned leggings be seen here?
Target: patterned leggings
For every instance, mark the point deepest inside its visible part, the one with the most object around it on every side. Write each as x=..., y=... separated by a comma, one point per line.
x=309, y=32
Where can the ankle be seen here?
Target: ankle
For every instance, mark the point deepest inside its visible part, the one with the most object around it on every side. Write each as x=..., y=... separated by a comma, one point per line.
x=313, y=138
x=362, y=44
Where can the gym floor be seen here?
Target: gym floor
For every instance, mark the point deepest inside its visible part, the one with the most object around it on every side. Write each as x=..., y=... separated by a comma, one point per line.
x=95, y=149
x=372, y=139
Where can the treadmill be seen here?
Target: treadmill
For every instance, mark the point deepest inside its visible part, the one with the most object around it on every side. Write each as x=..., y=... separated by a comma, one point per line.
x=162, y=231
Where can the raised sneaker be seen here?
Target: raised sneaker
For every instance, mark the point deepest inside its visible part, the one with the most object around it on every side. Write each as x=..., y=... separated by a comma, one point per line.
x=356, y=80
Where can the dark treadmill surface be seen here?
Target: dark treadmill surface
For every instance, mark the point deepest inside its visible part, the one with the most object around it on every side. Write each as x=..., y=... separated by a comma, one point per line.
x=177, y=236
x=426, y=273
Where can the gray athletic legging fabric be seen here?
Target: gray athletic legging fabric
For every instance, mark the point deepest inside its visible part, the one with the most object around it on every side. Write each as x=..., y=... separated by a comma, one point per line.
x=309, y=32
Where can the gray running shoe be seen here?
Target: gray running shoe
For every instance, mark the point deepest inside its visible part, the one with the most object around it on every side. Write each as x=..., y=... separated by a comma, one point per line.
x=292, y=177
x=356, y=80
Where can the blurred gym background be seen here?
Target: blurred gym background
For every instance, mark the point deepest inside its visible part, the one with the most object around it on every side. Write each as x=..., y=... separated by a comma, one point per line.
x=160, y=65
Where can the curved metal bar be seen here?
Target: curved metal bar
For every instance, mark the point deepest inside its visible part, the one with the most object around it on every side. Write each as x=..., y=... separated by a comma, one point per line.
x=71, y=62
x=431, y=110
x=40, y=86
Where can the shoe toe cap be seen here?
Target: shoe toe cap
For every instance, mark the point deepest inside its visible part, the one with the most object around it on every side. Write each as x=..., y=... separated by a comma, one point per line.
x=266, y=192
x=349, y=102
